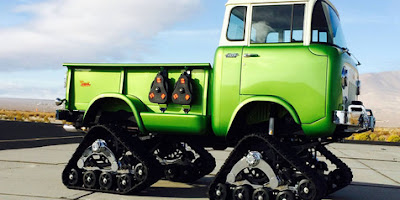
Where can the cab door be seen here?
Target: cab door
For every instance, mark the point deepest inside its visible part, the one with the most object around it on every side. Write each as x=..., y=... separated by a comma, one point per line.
x=276, y=63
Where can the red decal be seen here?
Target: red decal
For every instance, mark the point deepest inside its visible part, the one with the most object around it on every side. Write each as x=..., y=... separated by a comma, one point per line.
x=83, y=84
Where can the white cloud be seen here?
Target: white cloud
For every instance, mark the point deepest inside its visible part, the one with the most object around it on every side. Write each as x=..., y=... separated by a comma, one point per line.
x=87, y=31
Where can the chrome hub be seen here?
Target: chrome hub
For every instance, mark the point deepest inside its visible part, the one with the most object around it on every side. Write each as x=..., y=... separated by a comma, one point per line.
x=253, y=158
x=98, y=145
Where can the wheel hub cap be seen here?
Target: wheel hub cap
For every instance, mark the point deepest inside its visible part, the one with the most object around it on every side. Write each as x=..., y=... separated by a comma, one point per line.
x=123, y=182
x=71, y=176
x=218, y=192
x=98, y=144
x=253, y=158
x=306, y=190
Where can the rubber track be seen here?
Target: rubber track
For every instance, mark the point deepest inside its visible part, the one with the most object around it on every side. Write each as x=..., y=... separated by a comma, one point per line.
x=340, y=165
x=283, y=150
x=129, y=142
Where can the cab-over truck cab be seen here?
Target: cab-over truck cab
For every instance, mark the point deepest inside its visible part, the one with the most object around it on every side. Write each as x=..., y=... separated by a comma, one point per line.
x=294, y=54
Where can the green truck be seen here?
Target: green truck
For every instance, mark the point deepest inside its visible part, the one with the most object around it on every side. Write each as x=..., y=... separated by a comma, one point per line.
x=283, y=85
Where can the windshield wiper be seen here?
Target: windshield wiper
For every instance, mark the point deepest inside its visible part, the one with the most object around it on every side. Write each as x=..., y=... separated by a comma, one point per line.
x=347, y=50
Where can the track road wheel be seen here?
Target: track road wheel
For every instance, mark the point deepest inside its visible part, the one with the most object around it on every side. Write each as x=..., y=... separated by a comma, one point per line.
x=106, y=180
x=124, y=182
x=242, y=192
x=306, y=190
x=170, y=172
x=74, y=177
x=221, y=192
x=260, y=194
x=339, y=178
x=285, y=195
x=89, y=179
x=140, y=172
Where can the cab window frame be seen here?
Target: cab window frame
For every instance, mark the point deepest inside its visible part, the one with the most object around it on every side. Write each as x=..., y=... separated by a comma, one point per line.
x=292, y=21
x=244, y=24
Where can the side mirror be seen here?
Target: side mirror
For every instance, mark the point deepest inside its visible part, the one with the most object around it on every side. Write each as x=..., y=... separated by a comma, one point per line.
x=59, y=101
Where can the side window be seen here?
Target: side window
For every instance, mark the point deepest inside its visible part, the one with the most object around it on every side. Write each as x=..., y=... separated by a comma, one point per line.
x=277, y=24
x=236, y=25
x=326, y=26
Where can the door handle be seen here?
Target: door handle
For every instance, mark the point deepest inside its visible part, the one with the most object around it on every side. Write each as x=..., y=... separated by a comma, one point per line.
x=250, y=55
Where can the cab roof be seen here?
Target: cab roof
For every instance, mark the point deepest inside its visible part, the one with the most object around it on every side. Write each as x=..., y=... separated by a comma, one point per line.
x=264, y=1
x=241, y=2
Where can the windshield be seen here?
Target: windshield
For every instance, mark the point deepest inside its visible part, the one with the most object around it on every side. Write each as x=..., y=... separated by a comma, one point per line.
x=326, y=26
x=277, y=24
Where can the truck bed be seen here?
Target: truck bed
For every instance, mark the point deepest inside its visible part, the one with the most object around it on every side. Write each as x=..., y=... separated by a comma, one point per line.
x=86, y=81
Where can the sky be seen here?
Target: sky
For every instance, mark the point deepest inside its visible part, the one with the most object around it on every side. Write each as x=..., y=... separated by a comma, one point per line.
x=37, y=36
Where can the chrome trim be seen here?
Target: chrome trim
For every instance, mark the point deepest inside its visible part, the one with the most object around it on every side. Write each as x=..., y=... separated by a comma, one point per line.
x=243, y=164
x=356, y=118
x=72, y=129
x=98, y=148
x=59, y=101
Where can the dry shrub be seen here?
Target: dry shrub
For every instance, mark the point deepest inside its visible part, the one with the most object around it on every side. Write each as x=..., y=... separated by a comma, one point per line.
x=373, y=136
x=382, y=138
x=394, y=138
x=26, y=116
x=18, y=117
x=362, y=136
x=380, y=134
x=46, y=119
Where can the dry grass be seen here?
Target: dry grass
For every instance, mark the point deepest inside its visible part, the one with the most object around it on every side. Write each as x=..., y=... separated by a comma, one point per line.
x=380, y=134
x=27, y=116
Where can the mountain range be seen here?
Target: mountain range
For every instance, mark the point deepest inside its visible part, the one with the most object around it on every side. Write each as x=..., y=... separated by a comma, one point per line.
x=381, y=93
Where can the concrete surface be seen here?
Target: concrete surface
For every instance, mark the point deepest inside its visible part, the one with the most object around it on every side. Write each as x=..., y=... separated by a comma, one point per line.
x=35, y=173
x=32, y=157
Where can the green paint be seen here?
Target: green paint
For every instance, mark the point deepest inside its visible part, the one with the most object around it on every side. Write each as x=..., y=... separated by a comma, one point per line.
x=184, y=124
x=305, y=80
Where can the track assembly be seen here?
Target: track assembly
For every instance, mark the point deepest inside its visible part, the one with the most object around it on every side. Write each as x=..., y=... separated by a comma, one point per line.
x=261, y=167
x=109, y=160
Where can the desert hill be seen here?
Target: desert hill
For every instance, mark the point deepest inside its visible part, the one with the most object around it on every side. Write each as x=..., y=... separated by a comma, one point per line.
x=381, y=93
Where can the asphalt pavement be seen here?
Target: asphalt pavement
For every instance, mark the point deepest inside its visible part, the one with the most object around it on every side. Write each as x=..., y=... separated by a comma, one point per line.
x=17, y=135
x=32, y=157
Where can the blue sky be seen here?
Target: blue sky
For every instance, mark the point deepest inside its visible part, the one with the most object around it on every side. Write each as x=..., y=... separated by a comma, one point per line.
x=37, y=36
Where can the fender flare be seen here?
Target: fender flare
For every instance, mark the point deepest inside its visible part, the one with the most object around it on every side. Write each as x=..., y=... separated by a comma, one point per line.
x=136, y=106
x=272, y=99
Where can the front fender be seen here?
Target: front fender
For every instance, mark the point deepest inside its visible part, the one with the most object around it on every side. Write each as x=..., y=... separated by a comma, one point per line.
x=134, y=104
x=272, y=99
